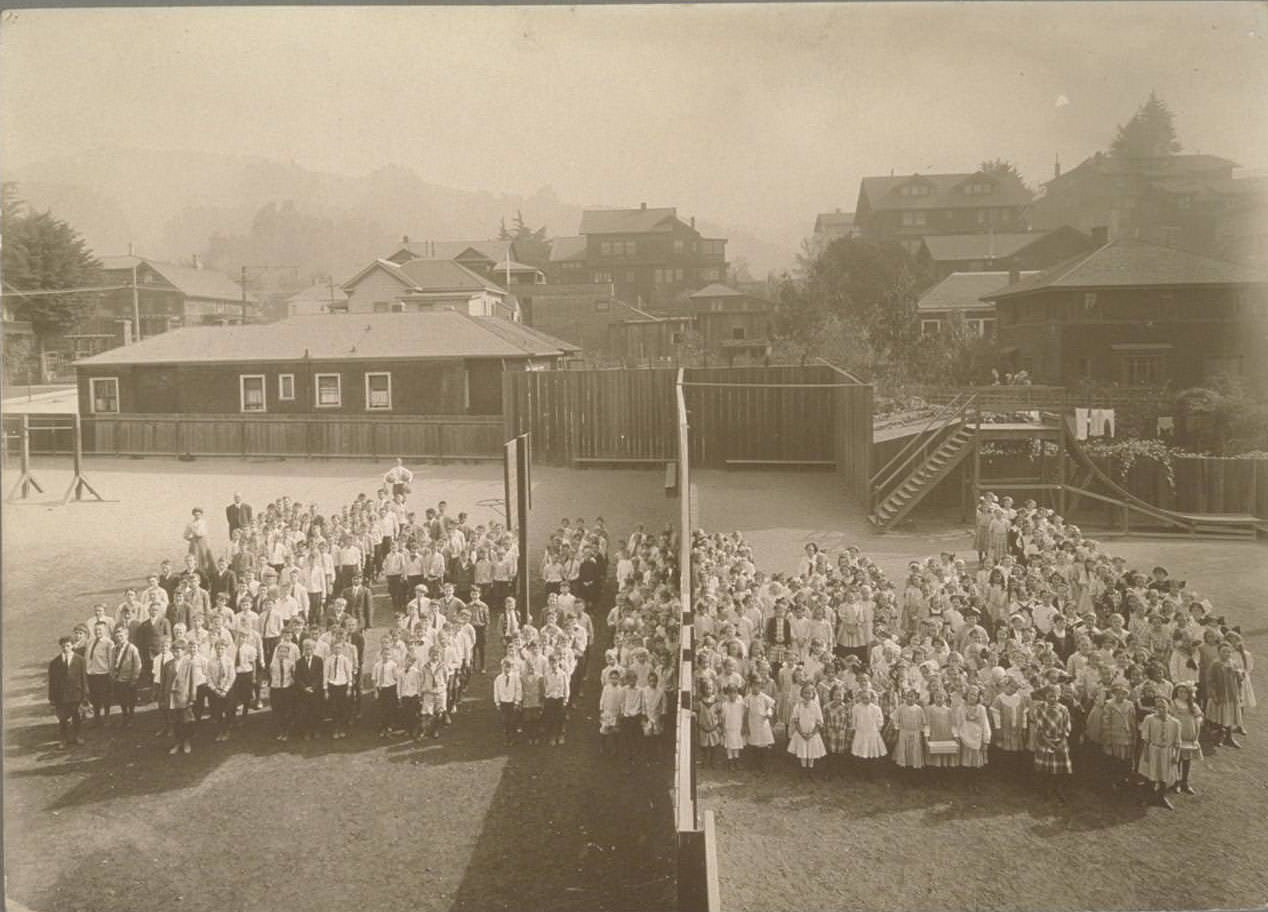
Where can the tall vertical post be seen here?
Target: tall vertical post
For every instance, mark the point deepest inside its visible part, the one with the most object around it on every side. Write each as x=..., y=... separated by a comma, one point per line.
x=79, y=484
x=524, y=502
x=26, y=481
x=244, y=296
x=136, y=305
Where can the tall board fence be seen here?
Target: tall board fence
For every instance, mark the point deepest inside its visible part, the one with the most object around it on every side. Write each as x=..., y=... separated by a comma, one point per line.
x=813, y=414
x=458, y=437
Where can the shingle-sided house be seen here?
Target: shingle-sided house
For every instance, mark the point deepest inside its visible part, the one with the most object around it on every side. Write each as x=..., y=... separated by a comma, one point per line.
x=436, y=363
x=1136, y=313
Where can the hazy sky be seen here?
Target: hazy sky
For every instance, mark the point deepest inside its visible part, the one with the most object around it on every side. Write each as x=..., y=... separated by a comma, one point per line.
x=756, y=115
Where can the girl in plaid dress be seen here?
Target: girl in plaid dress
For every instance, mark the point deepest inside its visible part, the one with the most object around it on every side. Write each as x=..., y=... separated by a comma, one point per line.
x=1051, y=721
x=708, y=725
x=836, y=725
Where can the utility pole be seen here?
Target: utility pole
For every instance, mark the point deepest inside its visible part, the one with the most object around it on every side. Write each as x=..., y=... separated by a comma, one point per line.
x=244, y=296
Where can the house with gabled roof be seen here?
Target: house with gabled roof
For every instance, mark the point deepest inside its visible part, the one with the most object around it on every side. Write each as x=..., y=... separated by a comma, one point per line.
x=910, y=207
x=478, y=255
x=418, y=285
x=648, y=255
x=1136, y=313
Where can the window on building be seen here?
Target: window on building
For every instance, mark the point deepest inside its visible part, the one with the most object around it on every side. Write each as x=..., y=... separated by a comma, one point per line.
x=710, y=275
x=251, y=392
x=1085, y=369
x=286, y=387
x=988, y=328
x=675, y=338
x=678, y=245
x=603, y=278
x=378, y=391
x=930, y=327
x=914, y=218
x=605, y=248
x=104, y=392
x=1144, y=370
x=329, y=390
x=382, y=307
x=602, y=305
x=398, y=307
x=915, y=190
x=1090, y=308
x=738, y=333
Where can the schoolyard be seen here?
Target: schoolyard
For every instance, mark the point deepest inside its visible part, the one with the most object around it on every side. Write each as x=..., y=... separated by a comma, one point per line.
x=465, y=823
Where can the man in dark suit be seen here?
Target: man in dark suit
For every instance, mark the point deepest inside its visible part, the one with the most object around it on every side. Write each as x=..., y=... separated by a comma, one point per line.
x=223, y=580
x=310, y=690
x=360, y=601
x=67, y=687
x=238, y=513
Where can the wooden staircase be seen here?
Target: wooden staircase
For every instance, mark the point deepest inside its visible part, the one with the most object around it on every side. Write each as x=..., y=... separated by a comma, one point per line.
x=896, y=494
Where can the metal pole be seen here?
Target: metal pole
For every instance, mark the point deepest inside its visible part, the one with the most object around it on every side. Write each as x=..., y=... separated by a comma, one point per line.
x=244, y=296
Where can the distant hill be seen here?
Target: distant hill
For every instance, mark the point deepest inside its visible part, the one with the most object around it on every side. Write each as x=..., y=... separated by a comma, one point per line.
x=238, y=209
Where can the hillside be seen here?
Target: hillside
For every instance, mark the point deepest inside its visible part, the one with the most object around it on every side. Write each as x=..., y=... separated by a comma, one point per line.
x=233, y=209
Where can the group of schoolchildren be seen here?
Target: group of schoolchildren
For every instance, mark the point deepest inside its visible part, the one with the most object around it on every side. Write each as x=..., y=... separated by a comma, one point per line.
x=1046, y=651
x=640, y=669
x=283, y=615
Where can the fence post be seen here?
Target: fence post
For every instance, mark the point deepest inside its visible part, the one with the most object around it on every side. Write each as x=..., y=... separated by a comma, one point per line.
x=440, y=449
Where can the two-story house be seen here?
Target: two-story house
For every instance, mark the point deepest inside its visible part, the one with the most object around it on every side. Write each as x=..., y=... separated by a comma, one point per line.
x=906, y=209
x=420, y=285
x=647, y=255
x=1136, y=313
x=1178, y=200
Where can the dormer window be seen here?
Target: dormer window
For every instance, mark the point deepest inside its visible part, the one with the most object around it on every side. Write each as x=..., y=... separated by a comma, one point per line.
x=914, y=190
x=979, y=188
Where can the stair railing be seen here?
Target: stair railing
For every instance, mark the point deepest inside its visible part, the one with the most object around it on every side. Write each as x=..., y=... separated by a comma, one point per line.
x=954, y=412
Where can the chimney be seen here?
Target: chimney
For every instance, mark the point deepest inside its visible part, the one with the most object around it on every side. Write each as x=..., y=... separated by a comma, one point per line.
x=693, y=221
x=643, y=206
x=1014, y=275
x=131, y=249
x=1056, y=168
x=404, y=238
x=198, y=263
x=1100, y=235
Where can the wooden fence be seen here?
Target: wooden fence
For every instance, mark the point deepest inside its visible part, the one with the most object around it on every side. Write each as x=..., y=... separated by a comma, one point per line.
x=795, y=415
x=371, y=437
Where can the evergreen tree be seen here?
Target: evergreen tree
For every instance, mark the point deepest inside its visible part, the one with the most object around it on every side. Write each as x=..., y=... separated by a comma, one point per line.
x=1151, y=132
x=42, y=252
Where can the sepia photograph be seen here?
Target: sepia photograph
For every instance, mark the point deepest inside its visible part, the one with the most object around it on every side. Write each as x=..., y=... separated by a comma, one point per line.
x=702, y=457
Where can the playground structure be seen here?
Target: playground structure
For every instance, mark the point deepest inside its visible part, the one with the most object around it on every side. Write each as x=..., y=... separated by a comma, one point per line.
x=79, y=487
x=955, y=434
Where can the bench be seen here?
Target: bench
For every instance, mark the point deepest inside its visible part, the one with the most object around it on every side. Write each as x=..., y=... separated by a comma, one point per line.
x=584, y=461
x=781, y=463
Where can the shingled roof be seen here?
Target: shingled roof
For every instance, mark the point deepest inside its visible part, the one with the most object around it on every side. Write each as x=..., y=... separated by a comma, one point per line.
x=952, y=247
x=624, y=221
x=346, y=337
x=1128, y=263
x=964, y=291
x=422, y=276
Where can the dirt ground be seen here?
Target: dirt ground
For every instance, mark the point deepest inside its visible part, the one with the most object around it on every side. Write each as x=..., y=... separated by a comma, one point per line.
x=466, y=824
x=462, y=823
x=848, y=843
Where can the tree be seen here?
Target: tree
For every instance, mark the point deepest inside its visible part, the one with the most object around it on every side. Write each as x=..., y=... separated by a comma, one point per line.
x=531, y=245
x=1000, y=167
x=42, y=252
x=1151, y=132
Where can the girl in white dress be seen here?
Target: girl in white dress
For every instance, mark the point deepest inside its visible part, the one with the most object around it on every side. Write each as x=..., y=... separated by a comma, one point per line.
x=732, y=710
x=760, y=707
x=804, y=727
x=868, y=721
